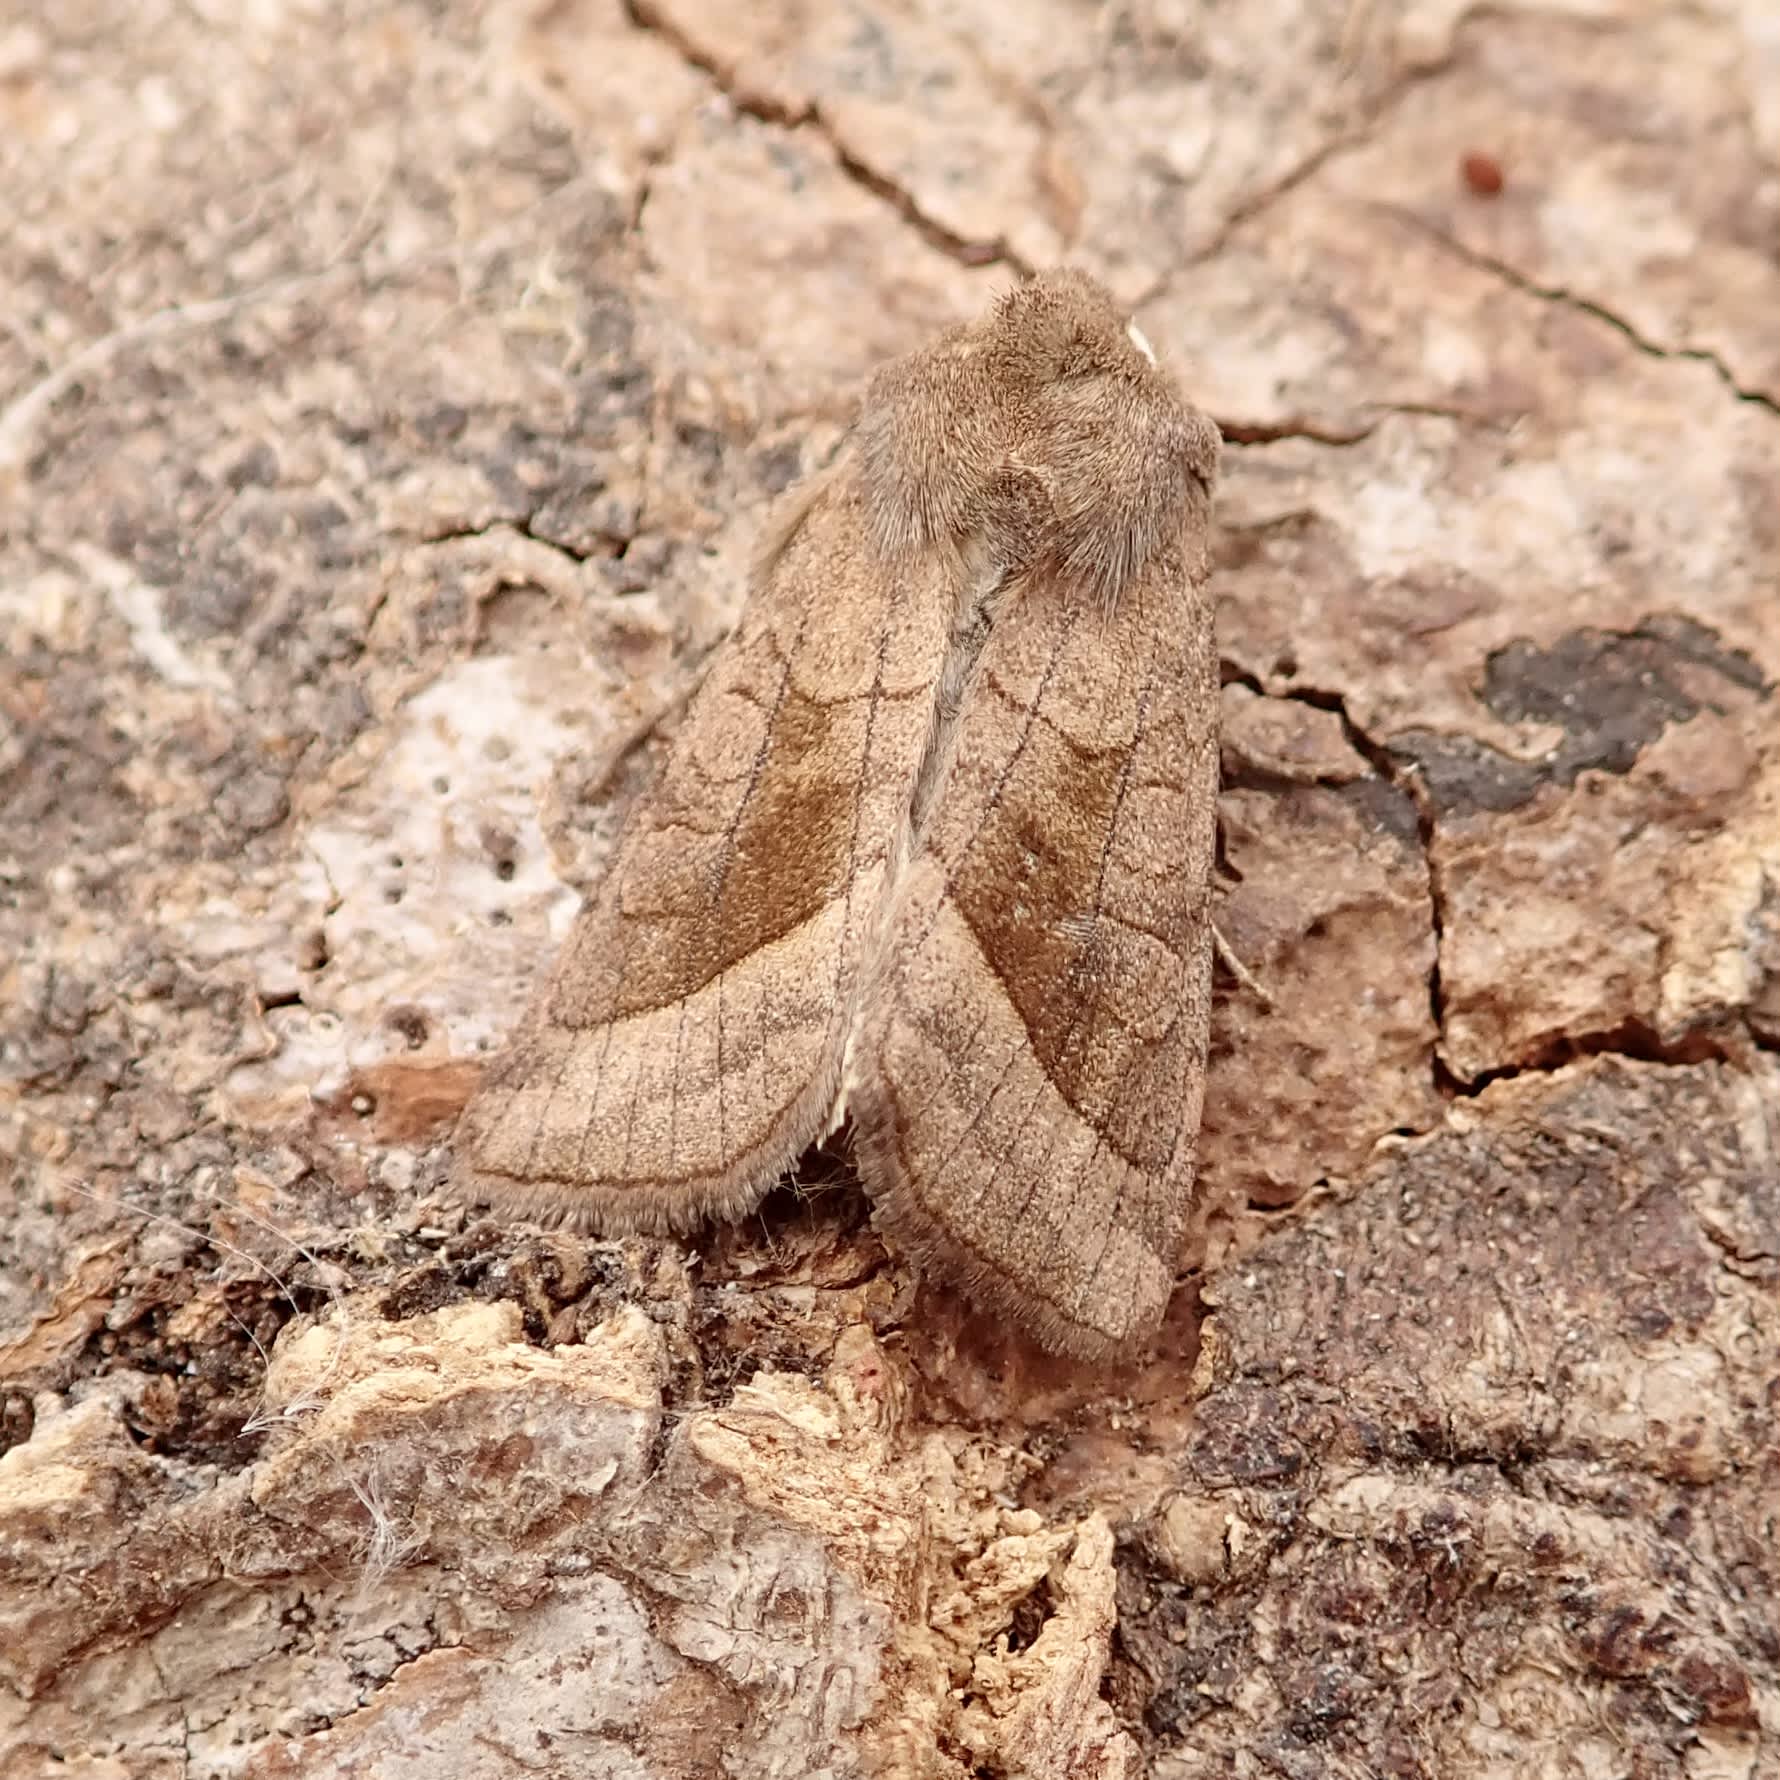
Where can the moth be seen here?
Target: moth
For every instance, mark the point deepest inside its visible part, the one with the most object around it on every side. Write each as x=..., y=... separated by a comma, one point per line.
x=932, y=850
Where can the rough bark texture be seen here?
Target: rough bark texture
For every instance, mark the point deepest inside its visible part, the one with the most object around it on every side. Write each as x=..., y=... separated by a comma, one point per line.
x=391, y=397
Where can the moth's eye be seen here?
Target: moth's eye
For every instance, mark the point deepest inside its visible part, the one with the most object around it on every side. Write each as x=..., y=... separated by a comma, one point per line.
x=1135, y=334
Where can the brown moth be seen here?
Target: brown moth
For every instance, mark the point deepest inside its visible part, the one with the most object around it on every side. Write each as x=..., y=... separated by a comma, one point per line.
x=932, y=847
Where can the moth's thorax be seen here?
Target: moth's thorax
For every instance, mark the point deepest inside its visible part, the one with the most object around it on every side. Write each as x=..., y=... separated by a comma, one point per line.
x=1046, y=430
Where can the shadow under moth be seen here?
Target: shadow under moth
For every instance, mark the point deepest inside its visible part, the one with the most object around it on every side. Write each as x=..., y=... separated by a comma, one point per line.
x=932, y=850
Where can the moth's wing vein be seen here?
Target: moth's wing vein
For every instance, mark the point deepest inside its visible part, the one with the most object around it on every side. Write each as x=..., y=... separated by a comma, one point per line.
x=1107, y=841
x=674, y=1090
x=722, y=1122
x=874, y=699
x=757, y=767
x=627, y=927
x=1160, y=1108
x=1026, y=715
x=1009, y=766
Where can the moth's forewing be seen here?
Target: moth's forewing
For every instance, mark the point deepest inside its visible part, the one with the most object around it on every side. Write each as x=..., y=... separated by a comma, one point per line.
x=688, y=1043
x=1032, y=1057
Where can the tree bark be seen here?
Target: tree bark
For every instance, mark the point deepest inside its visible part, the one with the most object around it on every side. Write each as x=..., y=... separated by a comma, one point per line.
x=389, y=403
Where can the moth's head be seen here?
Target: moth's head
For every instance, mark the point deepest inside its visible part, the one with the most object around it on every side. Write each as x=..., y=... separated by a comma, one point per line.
x=1052, y=400
x=1061, y=326
x=1091, y=413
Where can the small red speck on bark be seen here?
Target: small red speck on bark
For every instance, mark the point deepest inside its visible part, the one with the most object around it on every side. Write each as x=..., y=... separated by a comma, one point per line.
x=1483, y=173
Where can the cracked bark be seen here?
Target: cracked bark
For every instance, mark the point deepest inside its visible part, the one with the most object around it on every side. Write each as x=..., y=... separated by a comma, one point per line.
x=1600, y=311
x=342, y=612
x=797, y=113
